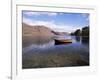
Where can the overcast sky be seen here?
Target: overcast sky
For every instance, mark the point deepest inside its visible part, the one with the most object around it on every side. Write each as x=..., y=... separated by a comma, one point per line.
x=66, y=22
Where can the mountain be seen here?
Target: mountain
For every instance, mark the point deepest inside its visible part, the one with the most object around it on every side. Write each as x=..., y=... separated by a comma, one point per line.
x=60, y=33
x=36, y=31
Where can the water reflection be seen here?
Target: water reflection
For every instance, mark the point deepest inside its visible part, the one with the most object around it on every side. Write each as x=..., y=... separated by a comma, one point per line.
x=78, y=39
x=47, y=42
x=42, y=52
x=37, y=41
x=40, y=45
x=85, y=39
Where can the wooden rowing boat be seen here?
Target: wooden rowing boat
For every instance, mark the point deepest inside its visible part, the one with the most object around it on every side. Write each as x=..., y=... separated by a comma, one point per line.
x=63, y=41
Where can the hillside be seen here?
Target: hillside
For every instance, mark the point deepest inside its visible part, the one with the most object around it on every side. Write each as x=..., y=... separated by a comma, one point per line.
x=35, y=31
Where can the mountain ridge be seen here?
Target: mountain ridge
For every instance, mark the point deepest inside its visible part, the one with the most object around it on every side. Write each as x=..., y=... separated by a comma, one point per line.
x=36, y=30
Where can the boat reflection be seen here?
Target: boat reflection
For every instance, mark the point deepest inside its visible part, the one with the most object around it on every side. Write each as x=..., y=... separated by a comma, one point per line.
x=62, y=40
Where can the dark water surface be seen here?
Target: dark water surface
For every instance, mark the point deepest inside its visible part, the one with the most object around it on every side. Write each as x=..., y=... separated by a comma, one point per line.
x=43, y=53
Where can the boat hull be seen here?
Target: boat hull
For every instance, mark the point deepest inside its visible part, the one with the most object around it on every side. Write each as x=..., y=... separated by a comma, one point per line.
x=57, y=42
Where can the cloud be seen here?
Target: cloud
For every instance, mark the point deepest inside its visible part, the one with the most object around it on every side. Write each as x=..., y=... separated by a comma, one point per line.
x=86, y=16
x=35, y=22
x=31, y=13
x=50, y=24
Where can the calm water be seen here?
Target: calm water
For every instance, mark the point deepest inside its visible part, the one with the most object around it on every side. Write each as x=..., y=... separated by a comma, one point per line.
x=42, y=53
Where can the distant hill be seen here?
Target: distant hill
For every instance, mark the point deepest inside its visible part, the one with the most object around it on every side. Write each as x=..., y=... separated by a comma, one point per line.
x=60, y=33
x=37, y=30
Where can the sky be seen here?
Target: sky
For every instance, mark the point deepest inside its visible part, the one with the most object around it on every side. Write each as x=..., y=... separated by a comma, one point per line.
x=58, y=21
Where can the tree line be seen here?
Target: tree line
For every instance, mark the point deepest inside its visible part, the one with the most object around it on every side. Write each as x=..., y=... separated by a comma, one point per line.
x=82, y=32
